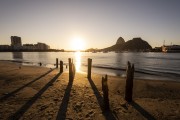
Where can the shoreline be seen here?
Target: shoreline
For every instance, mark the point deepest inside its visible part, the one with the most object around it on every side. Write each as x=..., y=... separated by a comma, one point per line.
x=102, y=71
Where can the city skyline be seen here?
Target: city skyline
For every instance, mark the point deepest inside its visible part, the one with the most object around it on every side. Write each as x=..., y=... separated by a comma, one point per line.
x=95, y=24
x=16, y=45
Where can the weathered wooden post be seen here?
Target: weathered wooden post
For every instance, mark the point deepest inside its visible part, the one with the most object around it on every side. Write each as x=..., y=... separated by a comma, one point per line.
x=105, y=93
x=129, y=82
x=56, y=62
x=73, y=69
x=72, y=61
x=70, y=70
x=61, y=66
x=89, y=68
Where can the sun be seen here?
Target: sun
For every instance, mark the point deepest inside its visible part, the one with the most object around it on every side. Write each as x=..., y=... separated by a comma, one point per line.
x=78, y=44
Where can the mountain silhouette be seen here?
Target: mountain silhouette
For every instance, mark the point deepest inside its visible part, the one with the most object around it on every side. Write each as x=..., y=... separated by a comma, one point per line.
x=136, y=44
x=120, y=41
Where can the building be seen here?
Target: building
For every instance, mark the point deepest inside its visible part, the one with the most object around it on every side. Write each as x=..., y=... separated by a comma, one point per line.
x=29, y=47
x=5, y=47
x=157, y=49
x=38, y=46
x=42, y=46
x=34, y=47
x=171, y=48
x=16, y=42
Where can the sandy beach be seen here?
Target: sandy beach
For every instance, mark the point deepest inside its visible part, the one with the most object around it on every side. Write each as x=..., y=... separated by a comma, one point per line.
x=39, y=93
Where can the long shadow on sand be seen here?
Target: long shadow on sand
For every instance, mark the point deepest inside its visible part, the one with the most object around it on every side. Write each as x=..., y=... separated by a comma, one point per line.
x=143, y=112
x=107, y=114
x=17, y=90
x=9, y=70
x=28, y=104
x=63, y=108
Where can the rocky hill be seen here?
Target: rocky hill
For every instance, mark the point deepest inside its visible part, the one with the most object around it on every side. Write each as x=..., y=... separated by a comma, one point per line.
x=120, y=41
x=136, y=44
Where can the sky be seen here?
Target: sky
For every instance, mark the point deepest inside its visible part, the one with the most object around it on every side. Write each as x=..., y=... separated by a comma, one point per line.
x=94, y=23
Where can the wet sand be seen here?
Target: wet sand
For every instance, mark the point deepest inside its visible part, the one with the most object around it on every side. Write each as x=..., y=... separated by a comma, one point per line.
x=40, y=93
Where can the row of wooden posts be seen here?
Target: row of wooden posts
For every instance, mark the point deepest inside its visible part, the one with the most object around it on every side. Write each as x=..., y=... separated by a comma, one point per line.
x=72, y=69
x=129, y=80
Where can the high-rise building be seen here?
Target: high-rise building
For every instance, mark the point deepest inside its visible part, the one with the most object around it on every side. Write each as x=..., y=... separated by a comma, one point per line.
x=16, y=42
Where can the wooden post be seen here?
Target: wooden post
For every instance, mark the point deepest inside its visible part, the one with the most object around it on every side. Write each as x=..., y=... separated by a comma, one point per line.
x=73, y=69
x=61, y=66
x=70, y=70
x=89, y=68
x=56, y=62
x=129, y=82
x=105, y=93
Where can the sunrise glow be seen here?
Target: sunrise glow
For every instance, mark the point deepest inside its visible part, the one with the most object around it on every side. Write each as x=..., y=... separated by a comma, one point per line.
x=78, y=44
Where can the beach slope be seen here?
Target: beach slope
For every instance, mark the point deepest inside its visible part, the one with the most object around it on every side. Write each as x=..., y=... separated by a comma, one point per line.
x=38, y=93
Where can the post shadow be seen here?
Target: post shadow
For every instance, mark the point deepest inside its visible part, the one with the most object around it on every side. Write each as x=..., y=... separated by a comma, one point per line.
x=63, y=108
x=17, y=90
x=107, y=114
x=10, y=70
x=28, y=104
x=143, y=112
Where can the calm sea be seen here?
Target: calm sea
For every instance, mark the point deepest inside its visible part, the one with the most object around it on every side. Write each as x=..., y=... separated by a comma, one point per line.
x=154, y=66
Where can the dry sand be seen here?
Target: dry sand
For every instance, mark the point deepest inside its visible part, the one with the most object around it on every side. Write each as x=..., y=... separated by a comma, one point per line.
x=38, y=93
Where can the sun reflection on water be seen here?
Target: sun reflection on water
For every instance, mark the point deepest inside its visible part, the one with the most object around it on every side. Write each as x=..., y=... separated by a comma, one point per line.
x=78, y=61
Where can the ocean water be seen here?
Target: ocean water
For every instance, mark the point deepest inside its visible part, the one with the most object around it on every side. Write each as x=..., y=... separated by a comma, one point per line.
x=153, y=66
